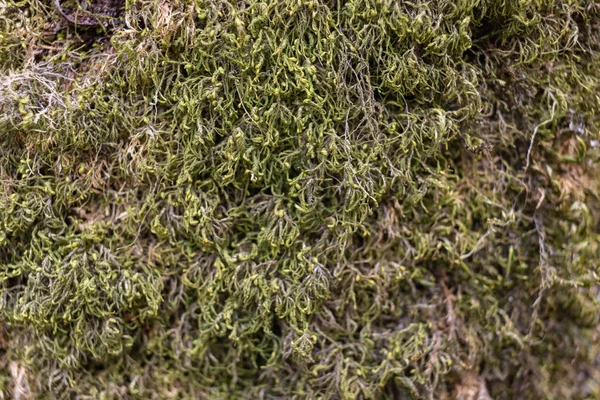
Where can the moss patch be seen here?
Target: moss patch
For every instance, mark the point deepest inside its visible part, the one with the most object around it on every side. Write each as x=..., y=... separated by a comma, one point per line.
x=300, y=199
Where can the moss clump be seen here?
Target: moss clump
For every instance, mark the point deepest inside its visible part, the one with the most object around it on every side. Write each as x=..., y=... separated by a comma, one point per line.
x=300, y=199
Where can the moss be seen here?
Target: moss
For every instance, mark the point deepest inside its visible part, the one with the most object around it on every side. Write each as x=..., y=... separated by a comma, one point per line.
x=300, y=199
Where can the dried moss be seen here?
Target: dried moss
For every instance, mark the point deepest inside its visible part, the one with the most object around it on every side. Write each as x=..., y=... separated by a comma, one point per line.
x=301, y=199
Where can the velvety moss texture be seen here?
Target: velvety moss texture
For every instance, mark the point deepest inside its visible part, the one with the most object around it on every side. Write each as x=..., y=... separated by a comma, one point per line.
x=300, y=199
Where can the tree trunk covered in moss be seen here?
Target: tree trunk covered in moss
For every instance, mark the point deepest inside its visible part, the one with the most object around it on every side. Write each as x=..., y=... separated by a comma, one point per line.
x=307, y=199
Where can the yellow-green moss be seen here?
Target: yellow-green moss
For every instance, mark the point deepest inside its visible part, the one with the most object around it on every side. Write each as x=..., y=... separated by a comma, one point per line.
x=301, y=199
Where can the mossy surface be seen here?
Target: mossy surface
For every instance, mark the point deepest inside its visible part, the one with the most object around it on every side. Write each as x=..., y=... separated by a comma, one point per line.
x=309, y=199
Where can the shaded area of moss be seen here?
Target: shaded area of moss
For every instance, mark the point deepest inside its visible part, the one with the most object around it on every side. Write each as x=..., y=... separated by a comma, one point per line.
x=301, y=199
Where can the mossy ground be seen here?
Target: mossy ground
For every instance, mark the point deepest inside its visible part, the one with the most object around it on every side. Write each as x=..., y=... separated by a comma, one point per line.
x=301, y=199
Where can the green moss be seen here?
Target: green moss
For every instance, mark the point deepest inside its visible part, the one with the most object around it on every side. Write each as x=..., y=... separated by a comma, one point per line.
x=301, y=199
